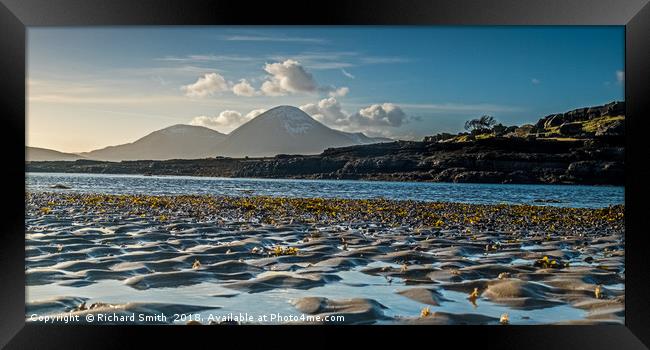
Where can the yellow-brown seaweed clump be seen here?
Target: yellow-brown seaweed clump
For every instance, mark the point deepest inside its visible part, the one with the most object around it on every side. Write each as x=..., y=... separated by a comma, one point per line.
x=388, y=213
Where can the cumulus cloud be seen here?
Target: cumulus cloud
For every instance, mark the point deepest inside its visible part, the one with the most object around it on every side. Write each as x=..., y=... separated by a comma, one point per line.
x=254, y=113
x=311, y=109
x=224, y=118
x=327, y=111
x=535, y=81
x=243, y=88
x=283, y=78
x=386, y=114
x=620, y=76
x=340, y=92
x=226, y=121
x=376, y=119
x=287, y=77
x=270, y=88
x=207, y=85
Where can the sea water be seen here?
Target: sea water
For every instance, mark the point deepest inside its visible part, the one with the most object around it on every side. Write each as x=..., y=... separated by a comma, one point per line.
x=576, y=196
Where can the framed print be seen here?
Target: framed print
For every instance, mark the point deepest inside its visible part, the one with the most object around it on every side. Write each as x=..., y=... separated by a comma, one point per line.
x=422, y=171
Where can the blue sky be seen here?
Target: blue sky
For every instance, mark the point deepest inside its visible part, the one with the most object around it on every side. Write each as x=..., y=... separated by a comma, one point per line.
x=93, y=87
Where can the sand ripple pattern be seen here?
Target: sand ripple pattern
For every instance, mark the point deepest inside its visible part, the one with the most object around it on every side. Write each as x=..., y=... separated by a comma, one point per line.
x=374, y=261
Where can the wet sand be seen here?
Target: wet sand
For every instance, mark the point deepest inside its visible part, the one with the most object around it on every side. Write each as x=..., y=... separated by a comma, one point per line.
x=371, y=261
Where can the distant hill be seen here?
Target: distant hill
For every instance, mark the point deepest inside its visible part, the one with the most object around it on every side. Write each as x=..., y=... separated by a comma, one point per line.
x=280, y=130
x=44, y=154
x=286, y=130
x=362, y=139
x=549, y=152
x=174, y=142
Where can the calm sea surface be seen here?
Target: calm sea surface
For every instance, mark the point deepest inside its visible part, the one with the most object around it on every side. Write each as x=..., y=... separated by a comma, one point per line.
x=556, y=195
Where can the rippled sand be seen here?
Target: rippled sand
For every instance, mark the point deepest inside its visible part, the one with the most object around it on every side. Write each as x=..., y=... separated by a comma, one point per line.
x=371, y=261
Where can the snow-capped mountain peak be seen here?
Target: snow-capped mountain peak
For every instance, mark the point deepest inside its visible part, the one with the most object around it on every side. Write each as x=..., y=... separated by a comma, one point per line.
x=280, y=130
x=294, y=120
x=285, y=130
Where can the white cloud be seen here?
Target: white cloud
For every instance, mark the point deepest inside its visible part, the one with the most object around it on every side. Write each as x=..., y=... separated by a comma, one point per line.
x=225, y=118
x=254, y=113
x=535, y=81
x=620, y=76
x=290, y=76
x=327, y=111
x=376, y=119
x=243, y=88
x=287, y=77
x=311, y=109
x=347, y=74
x=207, y=85
x=204, y=120
x=320, y=60
x=283, y=78
x=386, y=114
x=226, y=121
x=340, y=92
x=269, y=88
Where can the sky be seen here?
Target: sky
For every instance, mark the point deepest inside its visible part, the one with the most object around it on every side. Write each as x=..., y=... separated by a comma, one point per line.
x=89, y=88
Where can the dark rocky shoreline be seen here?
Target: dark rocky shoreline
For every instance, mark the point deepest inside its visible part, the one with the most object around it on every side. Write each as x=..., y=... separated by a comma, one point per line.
x=492, y=160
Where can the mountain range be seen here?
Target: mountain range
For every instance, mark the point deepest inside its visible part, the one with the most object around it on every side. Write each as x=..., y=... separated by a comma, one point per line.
x=280, y=130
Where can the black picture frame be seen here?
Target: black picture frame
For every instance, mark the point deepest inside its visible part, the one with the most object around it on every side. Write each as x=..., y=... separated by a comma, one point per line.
x=16, y=15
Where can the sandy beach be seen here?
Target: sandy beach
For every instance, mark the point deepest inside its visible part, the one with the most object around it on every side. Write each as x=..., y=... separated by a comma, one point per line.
x=370, y=261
